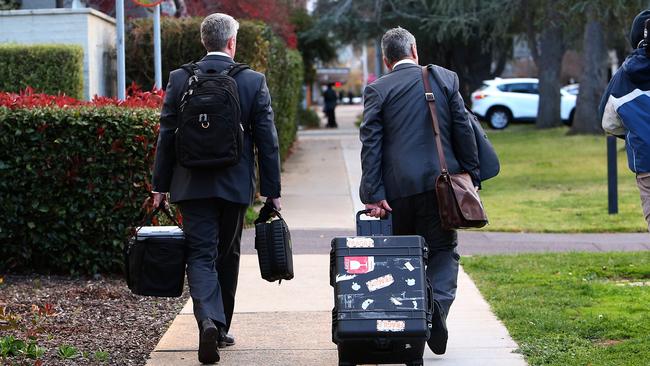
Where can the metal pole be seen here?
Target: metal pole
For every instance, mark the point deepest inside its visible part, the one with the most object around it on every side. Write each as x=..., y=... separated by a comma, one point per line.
x=379, y=61
x=612, y=169
x=612, y=189
x=121, y=63
x=364, y=63
x=157, y=59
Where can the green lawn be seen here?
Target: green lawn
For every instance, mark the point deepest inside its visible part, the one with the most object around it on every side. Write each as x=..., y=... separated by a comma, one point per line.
x=551, y=182
x=572, y=308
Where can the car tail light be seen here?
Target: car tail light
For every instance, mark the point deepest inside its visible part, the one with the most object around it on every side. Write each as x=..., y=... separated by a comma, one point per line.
x=479, y=96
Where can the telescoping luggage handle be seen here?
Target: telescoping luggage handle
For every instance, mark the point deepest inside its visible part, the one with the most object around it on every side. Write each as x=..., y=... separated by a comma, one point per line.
x=381, y=227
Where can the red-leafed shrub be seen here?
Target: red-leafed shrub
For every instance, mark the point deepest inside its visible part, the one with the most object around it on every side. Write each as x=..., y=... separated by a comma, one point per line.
x=272, y=12
x=136, y=98
x=73, y=177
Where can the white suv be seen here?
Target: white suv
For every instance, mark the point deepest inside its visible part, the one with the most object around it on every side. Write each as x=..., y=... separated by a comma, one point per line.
x=500, y=101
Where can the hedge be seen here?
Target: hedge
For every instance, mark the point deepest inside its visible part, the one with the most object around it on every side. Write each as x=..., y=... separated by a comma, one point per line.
x=50, y=69
x=73, y=183
x=257, y=46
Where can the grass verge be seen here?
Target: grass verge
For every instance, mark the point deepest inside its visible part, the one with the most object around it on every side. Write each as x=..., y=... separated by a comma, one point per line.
x=571, y=308
x=551, y=182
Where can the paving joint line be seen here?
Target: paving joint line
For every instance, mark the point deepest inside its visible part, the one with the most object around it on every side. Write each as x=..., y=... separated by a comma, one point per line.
x=221, y=350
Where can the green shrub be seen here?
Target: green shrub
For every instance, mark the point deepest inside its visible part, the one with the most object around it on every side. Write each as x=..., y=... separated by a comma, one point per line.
x=49, y=69
x=257, y=46
x=285, y=86
x=308, y=118
x=73, y=182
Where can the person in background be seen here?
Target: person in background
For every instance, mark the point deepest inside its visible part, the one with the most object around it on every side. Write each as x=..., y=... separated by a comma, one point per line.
x=330, y=99
x=625, y=107
x=350, y=97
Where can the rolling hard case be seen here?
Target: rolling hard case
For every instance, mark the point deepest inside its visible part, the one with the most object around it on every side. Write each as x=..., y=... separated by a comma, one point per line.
x=383, y=301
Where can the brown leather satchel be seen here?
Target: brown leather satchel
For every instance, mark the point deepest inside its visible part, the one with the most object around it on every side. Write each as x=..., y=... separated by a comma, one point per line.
x=458, y=202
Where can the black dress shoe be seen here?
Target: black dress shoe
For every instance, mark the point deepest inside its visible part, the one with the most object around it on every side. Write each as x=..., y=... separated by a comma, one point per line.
x=438, y=339
x=208, y=335
x=225, y=339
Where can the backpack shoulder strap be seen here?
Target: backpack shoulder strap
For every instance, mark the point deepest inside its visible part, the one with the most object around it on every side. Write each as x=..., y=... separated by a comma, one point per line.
x=191, y=68
x=234, y=69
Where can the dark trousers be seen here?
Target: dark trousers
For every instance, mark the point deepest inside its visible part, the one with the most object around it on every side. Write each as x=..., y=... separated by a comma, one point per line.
x=418, y=215
x=331, y=118
x=213, y=229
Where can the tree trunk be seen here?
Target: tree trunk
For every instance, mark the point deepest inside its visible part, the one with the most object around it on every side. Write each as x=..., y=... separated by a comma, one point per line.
x=549, y=64
x=181, y=8
x=593, y=79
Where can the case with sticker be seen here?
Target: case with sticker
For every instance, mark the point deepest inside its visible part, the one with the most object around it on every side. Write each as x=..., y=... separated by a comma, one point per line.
x=386, y=305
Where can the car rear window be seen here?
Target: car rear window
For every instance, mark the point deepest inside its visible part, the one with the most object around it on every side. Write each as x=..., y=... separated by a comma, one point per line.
x=525, y=88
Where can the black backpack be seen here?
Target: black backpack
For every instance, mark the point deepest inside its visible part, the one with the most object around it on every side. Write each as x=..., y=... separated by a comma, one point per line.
x=210, y=132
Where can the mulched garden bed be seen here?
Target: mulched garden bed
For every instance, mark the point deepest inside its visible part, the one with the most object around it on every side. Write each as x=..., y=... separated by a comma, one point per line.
x=100, y=318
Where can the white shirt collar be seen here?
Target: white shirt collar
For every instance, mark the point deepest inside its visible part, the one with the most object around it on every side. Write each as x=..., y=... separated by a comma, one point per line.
x=218, y=53
x=404, y=61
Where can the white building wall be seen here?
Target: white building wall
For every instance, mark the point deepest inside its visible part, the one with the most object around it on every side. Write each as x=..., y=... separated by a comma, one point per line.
x=92, y=30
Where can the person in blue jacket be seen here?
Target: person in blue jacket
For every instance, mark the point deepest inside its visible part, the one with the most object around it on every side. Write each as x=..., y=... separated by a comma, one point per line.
x=625, y=107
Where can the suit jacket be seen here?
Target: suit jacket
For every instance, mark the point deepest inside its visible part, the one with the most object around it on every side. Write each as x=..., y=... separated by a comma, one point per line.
x=399, y=157
x=236, y=183
x=329, y=98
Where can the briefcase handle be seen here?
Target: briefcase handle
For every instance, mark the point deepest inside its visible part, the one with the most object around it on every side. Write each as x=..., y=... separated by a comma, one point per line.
x=266, y=213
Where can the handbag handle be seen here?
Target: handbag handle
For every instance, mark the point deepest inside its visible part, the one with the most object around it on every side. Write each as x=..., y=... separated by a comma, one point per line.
x=431, y=102
x=164, y=207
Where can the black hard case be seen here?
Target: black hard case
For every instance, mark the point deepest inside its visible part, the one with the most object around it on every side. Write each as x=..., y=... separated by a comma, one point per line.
x=360, y=315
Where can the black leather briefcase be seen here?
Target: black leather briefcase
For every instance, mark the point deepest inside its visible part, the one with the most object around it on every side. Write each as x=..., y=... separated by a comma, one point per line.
x=155, y=258
x=273, y=244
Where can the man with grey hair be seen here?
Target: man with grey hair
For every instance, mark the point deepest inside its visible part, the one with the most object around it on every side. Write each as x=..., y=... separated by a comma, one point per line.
x=400, y=164
x=213, y=201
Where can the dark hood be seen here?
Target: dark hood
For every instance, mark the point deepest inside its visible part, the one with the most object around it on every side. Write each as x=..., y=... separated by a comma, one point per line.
x=637, y=66
x=636, y=32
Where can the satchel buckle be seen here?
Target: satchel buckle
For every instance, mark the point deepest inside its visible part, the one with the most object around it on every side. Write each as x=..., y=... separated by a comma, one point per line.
x=429, y=97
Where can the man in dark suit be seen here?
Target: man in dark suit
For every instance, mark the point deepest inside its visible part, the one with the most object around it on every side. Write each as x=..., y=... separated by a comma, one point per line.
x=213, y=202
x=400, y=164
x=330, y=98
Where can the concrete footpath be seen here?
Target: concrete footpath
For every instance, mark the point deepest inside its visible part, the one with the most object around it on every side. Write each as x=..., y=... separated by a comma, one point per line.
x=290, y=324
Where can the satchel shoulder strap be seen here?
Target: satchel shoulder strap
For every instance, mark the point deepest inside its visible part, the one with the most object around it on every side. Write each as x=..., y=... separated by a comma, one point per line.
x=436, y=76
x=431, y=102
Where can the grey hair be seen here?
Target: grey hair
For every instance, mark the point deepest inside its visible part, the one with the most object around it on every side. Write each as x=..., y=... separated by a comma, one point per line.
x=216, y=30
x=396, y=44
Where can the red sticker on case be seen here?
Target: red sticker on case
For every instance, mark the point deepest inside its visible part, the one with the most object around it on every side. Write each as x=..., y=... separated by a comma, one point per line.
x=359, y=265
